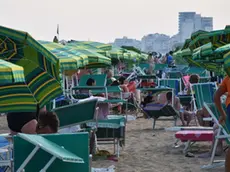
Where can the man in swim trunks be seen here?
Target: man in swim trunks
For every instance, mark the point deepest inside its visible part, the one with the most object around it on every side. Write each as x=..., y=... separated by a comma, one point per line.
x=224, y=88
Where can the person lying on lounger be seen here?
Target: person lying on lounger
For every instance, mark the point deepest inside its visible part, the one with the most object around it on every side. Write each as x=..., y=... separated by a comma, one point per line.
x=184, y=114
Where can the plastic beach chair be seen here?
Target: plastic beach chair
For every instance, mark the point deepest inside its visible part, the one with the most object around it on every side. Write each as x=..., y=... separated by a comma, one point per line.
x=155, y=111
x=223, y=133
x=77, y=113
x=54, y=152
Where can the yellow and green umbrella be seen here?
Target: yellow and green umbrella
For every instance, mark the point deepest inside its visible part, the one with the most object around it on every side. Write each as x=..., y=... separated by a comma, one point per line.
x=41, y=69
x=69, y=58
x=10, y=73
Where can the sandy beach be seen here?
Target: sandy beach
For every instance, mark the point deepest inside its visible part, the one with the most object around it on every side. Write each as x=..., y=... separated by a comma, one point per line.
x=148, y=152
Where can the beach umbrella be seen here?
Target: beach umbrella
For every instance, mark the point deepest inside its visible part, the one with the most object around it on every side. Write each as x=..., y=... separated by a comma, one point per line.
x=102, y=49
x=95, y=60
x=199, y=40
x=221, y=51
x=10, y=73
x=205, y=52
x=41, y=69
x=186, y=54
x=220, y=37
x=70, y=59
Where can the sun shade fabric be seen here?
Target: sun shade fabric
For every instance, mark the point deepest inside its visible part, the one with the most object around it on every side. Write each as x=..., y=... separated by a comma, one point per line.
x=69, y=58
x=10, y=73
x=41, y=67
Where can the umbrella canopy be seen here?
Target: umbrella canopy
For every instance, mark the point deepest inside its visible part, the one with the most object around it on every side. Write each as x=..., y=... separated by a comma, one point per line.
x=220, y=37
x=187, y=55
x=41, y=67
x=98, y=45
x=69, y=58
x=91, y=46
x=95, y=60
x=221, y=51
x=204, y=52
x=10, y=73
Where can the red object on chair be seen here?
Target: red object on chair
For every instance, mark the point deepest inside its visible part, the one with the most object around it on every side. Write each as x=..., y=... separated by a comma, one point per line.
x=132, y=86
x=197, y=135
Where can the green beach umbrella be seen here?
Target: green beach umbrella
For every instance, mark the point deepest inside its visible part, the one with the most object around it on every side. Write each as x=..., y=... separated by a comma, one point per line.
x=95, y=60
x=10, y=73
x=69, y=58
x=41, y=69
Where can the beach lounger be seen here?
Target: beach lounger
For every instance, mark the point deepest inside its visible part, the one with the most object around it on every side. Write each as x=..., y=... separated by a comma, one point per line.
x=155, y=111
x=111, y=131
x=53, y=152
x=223, y=133
x=100, y=84
x=203, y=92
x=77, y=113
x=171, y=83
x=192, y=136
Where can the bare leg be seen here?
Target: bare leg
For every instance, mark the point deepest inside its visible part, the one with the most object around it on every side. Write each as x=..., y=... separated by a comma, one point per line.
x=188, y=116
x=182, y=118
x=30, y=127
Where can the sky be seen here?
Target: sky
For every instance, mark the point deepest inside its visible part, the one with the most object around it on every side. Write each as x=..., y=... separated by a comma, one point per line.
x=105, y=20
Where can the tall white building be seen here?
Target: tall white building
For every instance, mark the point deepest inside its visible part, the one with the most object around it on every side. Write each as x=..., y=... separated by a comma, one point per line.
x=155, y=42
x=125, y=41
x=190, y=22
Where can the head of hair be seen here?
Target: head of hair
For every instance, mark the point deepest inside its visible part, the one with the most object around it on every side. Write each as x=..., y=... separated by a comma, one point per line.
x=169, y=95
x=90, y=82
x=49, y=119
x=214, y=79
x=115, y=83
x=194, y=78
x=122, y=80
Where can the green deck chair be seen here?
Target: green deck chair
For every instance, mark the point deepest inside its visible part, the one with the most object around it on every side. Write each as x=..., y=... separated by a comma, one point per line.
x=204, y=79
x=155, y=111
x=195, y=70
x=174, y=74
x=100, y=84
x=176, y=84
x=160, y=67
x=78, y=113
x=202, y=92
x=53, y=152
x=223, y=133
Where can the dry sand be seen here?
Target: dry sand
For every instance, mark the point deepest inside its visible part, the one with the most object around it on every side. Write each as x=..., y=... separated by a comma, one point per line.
x=147, y=153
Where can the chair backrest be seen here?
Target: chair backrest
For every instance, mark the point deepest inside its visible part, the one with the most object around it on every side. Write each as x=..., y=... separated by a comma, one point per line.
x=172, y=83
x=100, y=79
x=213, y=111
x=203, y=92
x=196, y=70
x=77, y=144
x=160, y=67
x=77, y=113
x=204, y=79
x=174, y=74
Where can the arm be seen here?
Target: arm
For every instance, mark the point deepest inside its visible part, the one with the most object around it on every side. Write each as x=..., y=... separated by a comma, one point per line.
x=220, y=91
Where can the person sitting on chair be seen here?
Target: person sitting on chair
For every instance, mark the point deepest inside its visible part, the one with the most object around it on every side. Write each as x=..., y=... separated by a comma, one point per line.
x=48, y=123
x=184, y=114
x=23, y=122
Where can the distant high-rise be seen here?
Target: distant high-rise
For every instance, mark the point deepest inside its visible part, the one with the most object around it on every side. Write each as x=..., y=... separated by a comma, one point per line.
x=190, y=22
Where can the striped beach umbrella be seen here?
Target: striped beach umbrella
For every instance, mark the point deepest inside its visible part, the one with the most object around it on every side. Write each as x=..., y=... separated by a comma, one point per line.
x=69, y=58
x=10, y=73
x=95, y=60
x=41, y=69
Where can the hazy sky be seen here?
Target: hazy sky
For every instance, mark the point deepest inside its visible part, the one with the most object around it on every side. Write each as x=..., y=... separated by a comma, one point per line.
x=105, y=20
